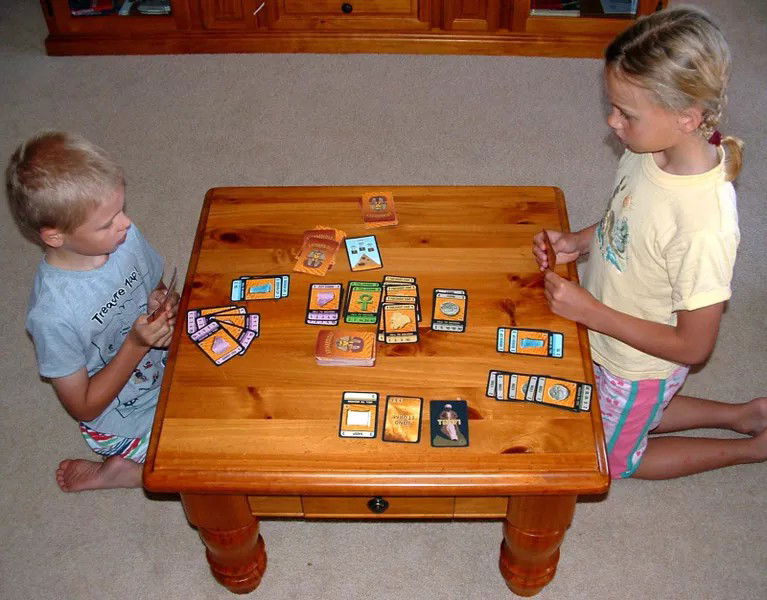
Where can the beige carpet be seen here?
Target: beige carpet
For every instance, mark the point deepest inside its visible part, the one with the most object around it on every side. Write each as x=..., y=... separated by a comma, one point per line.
x=183, y=124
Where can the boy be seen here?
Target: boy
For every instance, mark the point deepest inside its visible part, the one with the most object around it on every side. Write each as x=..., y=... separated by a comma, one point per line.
x=87, y=315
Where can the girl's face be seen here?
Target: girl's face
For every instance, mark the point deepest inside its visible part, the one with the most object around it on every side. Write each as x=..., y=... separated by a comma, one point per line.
x=637, y=119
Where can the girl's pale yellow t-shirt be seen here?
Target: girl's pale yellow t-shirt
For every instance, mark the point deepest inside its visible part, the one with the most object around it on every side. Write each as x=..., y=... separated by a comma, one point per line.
x=666, y=243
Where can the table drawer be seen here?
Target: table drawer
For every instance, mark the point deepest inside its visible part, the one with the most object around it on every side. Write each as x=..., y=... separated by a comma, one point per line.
x=378, y=507
x=350, y=7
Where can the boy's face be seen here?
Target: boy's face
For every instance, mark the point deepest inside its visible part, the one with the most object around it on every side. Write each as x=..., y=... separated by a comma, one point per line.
x=637, y=119
x=103, y=230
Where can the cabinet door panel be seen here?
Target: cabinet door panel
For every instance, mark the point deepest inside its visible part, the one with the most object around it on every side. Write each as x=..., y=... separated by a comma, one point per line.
x=229, y=14
x=471, y=15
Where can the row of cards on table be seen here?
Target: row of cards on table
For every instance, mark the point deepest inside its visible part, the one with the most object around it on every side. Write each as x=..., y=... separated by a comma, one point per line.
x=541, y=389
x=449, y=419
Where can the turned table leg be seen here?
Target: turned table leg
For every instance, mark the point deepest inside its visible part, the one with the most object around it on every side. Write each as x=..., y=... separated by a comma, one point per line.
x=235, y=550
x=532, y=533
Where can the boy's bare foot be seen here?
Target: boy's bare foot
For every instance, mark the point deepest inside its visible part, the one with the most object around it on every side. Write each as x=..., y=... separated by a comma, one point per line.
x=77, y=475
x=754, y=420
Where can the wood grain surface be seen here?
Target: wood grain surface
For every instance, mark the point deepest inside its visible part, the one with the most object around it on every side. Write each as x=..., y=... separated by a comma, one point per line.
x=266, y=423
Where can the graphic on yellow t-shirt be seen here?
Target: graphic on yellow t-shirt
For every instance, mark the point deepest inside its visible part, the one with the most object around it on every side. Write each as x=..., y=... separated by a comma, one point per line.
x=613, y=233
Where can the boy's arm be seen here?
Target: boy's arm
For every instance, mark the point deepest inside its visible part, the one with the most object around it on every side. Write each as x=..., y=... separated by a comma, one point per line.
x=690, y=342
x=85, y=398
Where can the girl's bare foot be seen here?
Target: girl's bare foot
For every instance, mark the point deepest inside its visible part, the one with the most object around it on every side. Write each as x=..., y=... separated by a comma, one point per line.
x=754, y=419
x=76, y=475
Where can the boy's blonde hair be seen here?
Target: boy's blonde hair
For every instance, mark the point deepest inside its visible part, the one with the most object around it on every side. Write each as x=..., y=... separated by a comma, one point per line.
x=681, y=56
x=54, y=179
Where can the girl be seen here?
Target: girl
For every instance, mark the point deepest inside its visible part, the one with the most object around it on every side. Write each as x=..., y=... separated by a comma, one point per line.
x=661, y=258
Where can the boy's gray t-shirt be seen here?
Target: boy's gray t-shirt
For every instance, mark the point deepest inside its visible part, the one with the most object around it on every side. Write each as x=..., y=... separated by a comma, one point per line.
x=81, y=318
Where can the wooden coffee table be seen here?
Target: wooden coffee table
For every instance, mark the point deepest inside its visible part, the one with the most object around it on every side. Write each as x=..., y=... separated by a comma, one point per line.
x=258, y=436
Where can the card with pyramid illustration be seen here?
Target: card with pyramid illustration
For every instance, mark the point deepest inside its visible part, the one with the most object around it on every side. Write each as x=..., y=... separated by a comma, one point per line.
x=363, y=253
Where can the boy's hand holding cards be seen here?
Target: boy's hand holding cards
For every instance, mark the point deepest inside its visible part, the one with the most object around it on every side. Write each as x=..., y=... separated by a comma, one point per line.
x=165, y=301
x=531, y=342
x=378, y=210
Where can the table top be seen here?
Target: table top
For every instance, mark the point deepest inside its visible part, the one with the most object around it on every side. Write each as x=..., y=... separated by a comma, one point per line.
x=266, y=422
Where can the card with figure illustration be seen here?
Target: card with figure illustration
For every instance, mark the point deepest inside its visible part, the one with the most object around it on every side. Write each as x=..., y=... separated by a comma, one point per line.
x=449, y=420
x=402, y=419
x=378, y=210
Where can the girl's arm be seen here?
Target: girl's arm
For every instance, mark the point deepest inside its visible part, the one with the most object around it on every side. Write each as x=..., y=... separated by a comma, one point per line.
x=568, y=246
x=690, y=342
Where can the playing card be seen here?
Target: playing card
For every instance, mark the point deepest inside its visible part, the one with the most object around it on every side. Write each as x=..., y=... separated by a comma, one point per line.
x=324, y=304
x=402, y=419
x=166, y=299
x=217, y=343
x=531, y=342
x=400, y=324
x=317, y=255
x=551, y=255
x=449, y=421
x=363, y=253
x=359, y=415
x=378, y=210
x=449, y=310
x=362, y=302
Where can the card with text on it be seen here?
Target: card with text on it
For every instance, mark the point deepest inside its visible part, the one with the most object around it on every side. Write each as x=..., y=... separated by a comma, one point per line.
x=378, y=210
x=260, y=287
x=324, y=304
x=402, y=419
x=400, y=324
x=563, y=393
x=363, y=253
x=449, y=420
x=449, y=310
x=362, y=302
x=359, y=415
x=317, y=255
x=530, y=342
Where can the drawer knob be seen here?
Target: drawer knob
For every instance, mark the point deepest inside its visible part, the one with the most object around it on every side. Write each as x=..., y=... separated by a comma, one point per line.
x=378, y=505
x=347, y=8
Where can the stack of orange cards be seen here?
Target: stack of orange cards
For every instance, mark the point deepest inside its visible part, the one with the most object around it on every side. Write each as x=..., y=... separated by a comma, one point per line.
x=318, y=250
x=222, y=332
x=345, y=347
x=378, y=210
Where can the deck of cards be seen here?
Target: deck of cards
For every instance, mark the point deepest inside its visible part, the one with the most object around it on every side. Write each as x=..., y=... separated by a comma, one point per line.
x=541, y=389
x=345, y=348
x=222, y=332
x=400, y=311
x=378, y=210
x=318, y=250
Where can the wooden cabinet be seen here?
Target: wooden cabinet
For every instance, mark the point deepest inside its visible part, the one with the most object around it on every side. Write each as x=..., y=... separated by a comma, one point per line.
x=500, y=27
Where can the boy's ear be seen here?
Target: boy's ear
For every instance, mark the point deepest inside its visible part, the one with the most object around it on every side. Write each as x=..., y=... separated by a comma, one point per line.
x=691, y=118
x=51, y=237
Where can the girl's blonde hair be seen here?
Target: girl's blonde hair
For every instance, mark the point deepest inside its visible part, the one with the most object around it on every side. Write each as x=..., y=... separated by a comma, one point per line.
x=54, y=179
x=681, y=56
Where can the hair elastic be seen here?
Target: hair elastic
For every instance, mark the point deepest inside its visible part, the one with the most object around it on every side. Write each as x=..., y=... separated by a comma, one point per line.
x=716, y=138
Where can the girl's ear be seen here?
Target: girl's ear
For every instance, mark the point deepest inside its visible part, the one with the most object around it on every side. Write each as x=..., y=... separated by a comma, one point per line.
x=52, y=237
x=690, y=119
